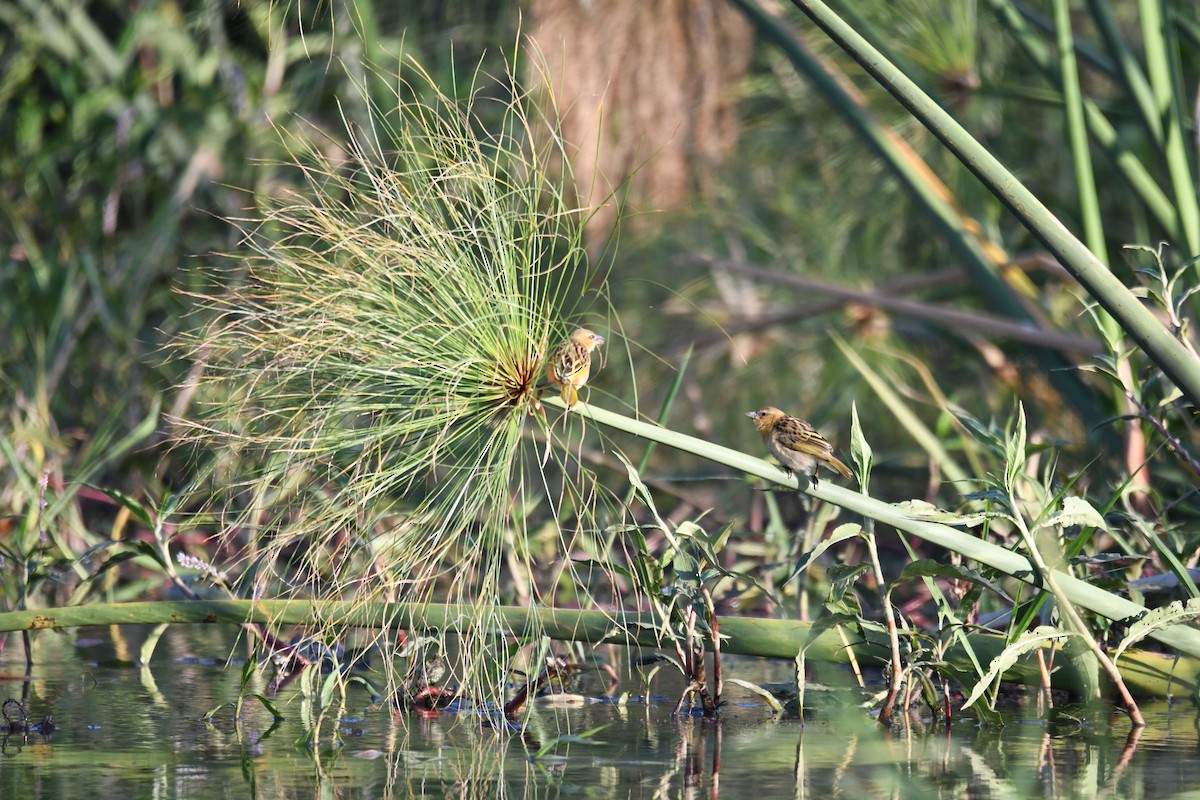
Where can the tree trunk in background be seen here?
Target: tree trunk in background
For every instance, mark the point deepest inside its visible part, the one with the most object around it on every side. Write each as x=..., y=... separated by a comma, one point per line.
x=645, y=90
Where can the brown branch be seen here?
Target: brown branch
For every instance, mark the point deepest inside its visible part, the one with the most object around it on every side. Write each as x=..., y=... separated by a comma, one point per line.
x=953, y=319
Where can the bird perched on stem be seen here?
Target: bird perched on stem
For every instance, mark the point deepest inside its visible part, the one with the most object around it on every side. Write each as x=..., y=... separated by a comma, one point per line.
x=570, y=364
x=795, y=443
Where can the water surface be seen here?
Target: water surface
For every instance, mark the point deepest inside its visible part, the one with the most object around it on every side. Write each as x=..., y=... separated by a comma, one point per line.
x=127, y=732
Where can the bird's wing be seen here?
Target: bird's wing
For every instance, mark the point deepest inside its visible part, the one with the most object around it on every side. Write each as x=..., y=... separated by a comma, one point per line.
x=800, y=436
x=569, y=361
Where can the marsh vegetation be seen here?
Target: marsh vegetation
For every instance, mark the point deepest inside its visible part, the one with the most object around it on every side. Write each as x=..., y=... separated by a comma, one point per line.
x=281, y=286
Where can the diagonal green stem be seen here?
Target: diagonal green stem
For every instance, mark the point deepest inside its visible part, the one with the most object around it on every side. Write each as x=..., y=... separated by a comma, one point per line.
x=981, y=257
x=1093, y=598
x=1052, y=582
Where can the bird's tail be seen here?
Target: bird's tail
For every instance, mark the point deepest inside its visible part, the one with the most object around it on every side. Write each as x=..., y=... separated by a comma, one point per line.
x=839, y=466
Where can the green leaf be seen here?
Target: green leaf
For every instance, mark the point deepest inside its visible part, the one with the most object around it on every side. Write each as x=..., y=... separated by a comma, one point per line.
x=1108, y=559
x=860, y=449
x=136, y=508
x=636, y=530
x=603, y=566
x=248, y=668
x=767, y=696
x=212, y=712
x=642, y=490
x=716, y=541
x=992, y=495
x=371, y=690
x=1014, y=465
x=151, y=642
x=580, y=738
x=1158, y=618
x=1027, y=642
x=269, y=706
x=825, y=623
x=647, y=573
x=329, y=689
x=847, y=530
x=919, y=509
x=928, y=568
x=1077, y=511
x=847, y=573
x=150, y=551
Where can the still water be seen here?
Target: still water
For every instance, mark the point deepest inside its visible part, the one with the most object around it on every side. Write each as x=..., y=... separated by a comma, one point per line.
x=127, y=732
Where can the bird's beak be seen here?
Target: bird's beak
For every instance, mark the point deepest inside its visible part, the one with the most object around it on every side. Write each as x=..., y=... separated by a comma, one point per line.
x=599, y=339
x=752, y=414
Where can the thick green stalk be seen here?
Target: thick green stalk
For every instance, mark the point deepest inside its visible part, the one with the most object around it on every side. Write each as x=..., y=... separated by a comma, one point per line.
x=914, y=175
x=1093, y=598
x=1146, y=673
x=1050, y=579
x=1085, y=179
x=1167, y=352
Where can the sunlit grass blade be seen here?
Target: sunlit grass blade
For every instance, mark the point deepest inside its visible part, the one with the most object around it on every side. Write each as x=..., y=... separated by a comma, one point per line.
x=377, y=366
x=925, y=438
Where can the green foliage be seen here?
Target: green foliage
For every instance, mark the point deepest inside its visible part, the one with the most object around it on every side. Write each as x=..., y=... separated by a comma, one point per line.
x=133, y=134
x=1026, y=642
x=1157, y=618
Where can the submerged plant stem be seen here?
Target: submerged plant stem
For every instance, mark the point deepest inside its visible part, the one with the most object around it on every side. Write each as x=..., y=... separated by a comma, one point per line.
x=1147, y=674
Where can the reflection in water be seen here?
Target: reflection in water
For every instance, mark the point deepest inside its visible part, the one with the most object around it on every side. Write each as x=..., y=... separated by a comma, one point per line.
x=125, y=731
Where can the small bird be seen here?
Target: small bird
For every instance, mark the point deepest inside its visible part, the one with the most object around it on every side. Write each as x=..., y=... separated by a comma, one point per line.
x=795, y=443
x=571, y=363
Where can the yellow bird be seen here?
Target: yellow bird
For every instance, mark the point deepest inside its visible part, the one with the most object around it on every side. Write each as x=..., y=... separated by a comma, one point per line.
x=570, y=364
x=795, y=443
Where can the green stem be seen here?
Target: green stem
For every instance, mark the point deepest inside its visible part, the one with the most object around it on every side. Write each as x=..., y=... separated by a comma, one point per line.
x=1093, y=598
x=1147, y=673
x=1126, y=161
x=1085, y=180
x=982, y=257
x=1072, y=615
